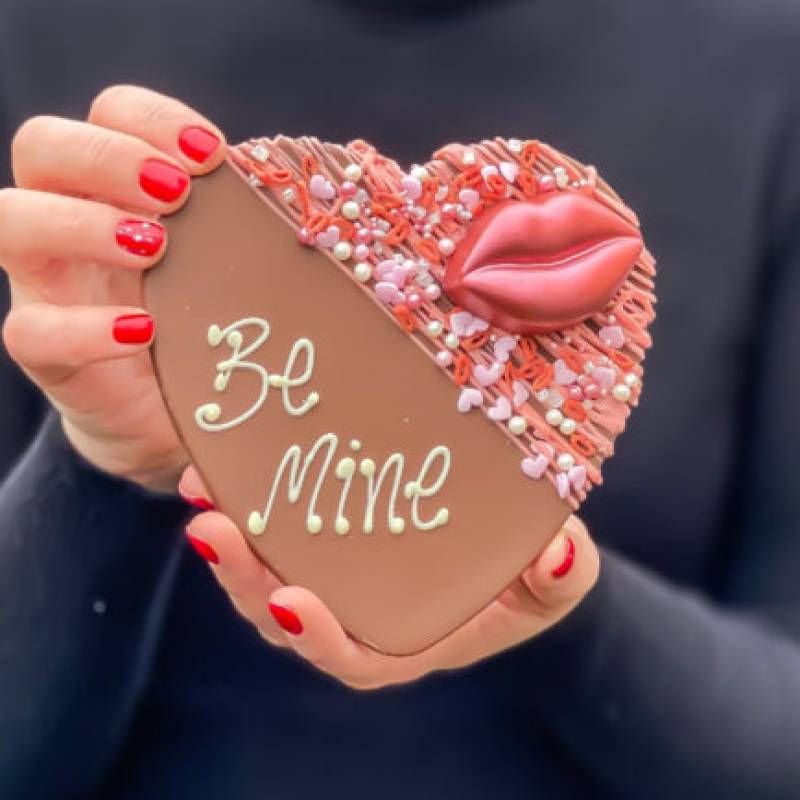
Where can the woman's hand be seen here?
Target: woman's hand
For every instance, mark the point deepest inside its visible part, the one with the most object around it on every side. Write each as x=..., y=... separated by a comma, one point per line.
x=76, y=234
x=547, y=591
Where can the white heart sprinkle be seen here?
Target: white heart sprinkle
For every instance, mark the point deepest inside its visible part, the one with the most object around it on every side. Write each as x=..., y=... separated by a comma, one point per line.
x=521, y=393
x=500, y=411
x=503, y=346
x=321, y=187
x=534, y=467
x=469, y=197
x=577, y=477
x=509, y=171
x=463, y=324
x=612, y=335
x=413, y=186
x=468, y=399
x=388, y=292
x=487, y=376
x=328, y=238
x=563, y=374
x=488, y=171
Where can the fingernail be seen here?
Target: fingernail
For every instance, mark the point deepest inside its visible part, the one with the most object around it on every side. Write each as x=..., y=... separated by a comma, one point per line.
x=569, y=558
x=140, y=237
x=197, y=143
x=286, y=618
x=203, y=548
x=133, y=329
x=162, y=180
x=201, y=503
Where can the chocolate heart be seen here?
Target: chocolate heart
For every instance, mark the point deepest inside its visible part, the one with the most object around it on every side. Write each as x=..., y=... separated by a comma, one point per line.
x=315, y=369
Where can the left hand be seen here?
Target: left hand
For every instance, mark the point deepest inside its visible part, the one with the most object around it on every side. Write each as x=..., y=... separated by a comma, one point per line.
x=548, y=589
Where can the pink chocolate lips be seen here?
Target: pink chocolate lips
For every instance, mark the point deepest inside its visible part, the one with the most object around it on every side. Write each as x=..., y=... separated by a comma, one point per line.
x=543, y=264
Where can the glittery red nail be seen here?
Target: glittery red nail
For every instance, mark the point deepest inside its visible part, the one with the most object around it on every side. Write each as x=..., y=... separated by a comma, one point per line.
x=203, y=548
x=286, y=618
x=162, y=180
x=197, y=143
x=133, y=329
x=566, y=564
x=140, y=237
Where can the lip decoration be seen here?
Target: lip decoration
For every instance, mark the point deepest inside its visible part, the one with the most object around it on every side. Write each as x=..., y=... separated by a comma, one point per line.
x=542, y=264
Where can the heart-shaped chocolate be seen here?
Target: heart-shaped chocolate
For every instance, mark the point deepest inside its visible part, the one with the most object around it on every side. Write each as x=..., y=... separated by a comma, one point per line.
x=399, y=385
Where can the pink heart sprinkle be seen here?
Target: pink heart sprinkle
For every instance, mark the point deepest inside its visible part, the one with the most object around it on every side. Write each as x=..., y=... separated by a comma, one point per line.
x=563, y=374
x=468, y=399
x=444, y=358
x=534, y=467
x=328, y=238
x=462, y=323
x=388, y=292
x=321, y=187
x=413, y=186
x=604, y=377
x=612, y=335
x=486, y=376
x=521, y=393
x=503, y=346
x=469, y=197
x=500, y=411
x=509, y=171
x=577, y=477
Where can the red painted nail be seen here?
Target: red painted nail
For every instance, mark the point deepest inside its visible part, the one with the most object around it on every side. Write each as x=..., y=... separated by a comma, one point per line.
x=133, y=329
x=566, y=564
x=162, y=180
x=197, y=143
x=203, y=548
x=286, y=618
x=201, y=503
x=140, y=237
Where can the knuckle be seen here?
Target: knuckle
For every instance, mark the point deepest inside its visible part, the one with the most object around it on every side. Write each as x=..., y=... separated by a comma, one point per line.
x=107, y=99
x=98, y=146
x=15, y=330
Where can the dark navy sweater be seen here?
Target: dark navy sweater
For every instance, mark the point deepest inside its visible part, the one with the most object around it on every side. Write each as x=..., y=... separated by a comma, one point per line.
x=125, y=672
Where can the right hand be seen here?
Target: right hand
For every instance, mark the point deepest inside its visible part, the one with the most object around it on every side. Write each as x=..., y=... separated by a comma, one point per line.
x=67, y=242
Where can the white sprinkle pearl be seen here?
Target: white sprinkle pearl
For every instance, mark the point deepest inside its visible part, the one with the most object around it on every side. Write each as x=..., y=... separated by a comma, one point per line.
x=435, y=327
x=568, y=426
x=561, y=176
x=362, y=271
x=260, y=153
x=515, y=145
x=451, y=341
x=621, y=392
x=469, y=157
x=565, y=462
x=342, y=250
x=446, y=246
x=631, y=380
x=418, y=172
x=517, y=425
x=554, y=417
x=350, y=210
x=353, y=172
x=288, y=195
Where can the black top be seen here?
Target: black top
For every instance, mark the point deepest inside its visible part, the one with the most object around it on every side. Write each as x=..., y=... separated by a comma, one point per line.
x=124, y=671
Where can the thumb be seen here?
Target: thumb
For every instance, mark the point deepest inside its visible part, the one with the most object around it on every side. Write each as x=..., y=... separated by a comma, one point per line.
x=565, y=570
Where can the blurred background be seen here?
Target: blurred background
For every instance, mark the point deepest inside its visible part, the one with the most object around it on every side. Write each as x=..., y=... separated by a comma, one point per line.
x=691, y=110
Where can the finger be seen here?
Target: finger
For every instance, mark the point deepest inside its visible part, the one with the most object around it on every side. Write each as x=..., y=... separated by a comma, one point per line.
x=193, y=490
x=565, y=570
x=315, y=634
x=37, y=228
x=69, y=157
x=164, y=122
x=246, y=580
x=52, y=342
